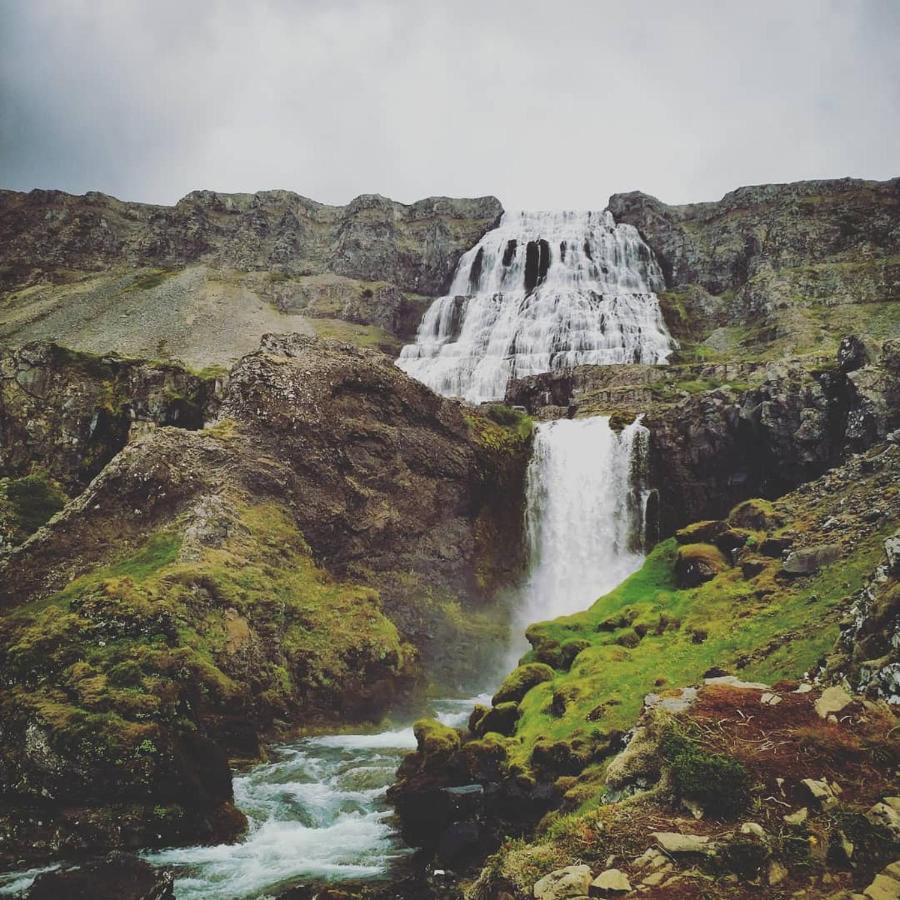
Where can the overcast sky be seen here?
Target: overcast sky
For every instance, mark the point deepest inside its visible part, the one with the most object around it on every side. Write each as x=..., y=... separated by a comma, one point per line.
x=544, y=104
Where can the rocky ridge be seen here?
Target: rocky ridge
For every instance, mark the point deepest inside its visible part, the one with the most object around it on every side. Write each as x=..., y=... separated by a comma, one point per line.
x=300, y=560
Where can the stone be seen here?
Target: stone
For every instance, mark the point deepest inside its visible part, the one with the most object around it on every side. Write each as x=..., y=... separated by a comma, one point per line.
x=892, y=552
x=885, y=815
x=832, y=701
x=675, y=843
x=810, y=559
x=753, y=828
x=769, y=699
x=820, y=792
x=797, y=818
x=852, y=354
x=735, y=682
x=883, y=887
x=571, y=881
x=657, y=876
x=777, y=873
x=611, y=881
x=118, y=877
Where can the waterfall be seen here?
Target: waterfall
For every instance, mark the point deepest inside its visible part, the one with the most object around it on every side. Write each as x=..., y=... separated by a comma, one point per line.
x=584, y=513
x=542, y=291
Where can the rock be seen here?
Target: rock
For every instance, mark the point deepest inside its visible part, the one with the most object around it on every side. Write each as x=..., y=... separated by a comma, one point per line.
x=520, y=681
x=755, y=515
x=734, y=682
x=886, y=815
x=777, y=873
x=697, y=563
x=820, y=792
x=704, y=532
x=883, y=887
x=832, y=701
x=810, y=559
x=852, y=354
x=676, y=844
x=769, y=699
x=501, y=718
x=611, y=881
x=797, y=818
x=892, y=552
x=754, y=829
x=415, y=247
x=118, y=877
x=572, y=881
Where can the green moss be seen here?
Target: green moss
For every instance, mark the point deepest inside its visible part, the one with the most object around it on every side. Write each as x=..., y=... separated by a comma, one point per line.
x=778, y=635
x=368, y=336
x=150, y=279
x=31, y=501
x=755, y=514
x=719, y=783
x=434, y=739
x=521, y=680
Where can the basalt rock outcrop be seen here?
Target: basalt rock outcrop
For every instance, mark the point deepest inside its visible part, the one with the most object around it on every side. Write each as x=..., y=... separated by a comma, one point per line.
x=720, y=433
x=415, y=247
x=69, y=413
x=781, y=259
x=301, y=560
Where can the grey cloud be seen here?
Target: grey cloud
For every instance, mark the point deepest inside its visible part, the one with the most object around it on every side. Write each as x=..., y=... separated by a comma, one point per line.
x=544, y=105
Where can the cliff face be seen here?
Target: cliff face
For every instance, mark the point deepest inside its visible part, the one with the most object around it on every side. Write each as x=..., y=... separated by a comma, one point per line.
x=304, y=558
x=415, y=247
x=786, y=262
x=69, y=413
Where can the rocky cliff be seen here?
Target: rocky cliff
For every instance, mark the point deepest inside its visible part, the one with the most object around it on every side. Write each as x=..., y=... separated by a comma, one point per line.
x=783, y=267
x=304, y=558
x=201, y=281
x=415, y=247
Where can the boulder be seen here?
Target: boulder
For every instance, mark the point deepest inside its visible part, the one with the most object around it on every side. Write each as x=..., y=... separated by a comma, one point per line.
x=501, y=718
x=892, y=552
x=703, y=532
x=697, y=563
x=520, y=681
x=852, y=354
x=755, y=515
x=832, y=701
x=810, y=559
x=612, y=881
x=572, y=881
x=677, y=844
x=118, y=877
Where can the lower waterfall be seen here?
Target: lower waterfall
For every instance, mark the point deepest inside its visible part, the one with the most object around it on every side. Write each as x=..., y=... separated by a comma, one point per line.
x=586, y=503
x=318, y=810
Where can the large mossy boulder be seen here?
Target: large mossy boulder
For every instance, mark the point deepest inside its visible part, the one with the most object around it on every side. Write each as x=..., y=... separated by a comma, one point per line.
x=520, y=681
x=698, y=563
x=703, y=532
x=435, y=742
x=755, y=515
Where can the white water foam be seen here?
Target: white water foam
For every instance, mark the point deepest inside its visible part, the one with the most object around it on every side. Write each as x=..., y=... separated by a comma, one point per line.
x=584, y=514
x=317, y=812
x=543, y=291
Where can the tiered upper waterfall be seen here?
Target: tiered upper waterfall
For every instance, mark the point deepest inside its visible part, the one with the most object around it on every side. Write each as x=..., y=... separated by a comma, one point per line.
x=542, y=291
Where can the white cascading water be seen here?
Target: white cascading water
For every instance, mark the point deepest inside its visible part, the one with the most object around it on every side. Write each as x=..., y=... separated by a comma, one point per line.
x=585, y=510
x=543, y=291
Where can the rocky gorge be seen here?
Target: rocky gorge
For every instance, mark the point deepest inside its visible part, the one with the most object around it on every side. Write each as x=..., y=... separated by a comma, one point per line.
x=209, y=551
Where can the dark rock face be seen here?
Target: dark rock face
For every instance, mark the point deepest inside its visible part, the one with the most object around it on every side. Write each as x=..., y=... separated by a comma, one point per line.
x=119, y=877
x=710, y=449
x=69, y=413
x=415, y=247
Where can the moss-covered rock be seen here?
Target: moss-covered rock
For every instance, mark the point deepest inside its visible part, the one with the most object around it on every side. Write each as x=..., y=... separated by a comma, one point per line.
x=704, y=532
x=755, y=515
x=698, y=563
x=501, y=719
x=436, y=742
x=520, y=681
